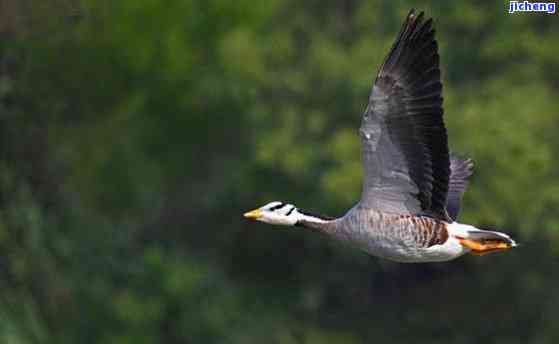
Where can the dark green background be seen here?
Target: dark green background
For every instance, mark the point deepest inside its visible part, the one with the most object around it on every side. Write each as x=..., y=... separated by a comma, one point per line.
x=134, y=134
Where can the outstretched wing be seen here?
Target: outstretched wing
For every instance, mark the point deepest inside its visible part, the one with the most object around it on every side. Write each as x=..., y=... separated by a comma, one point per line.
x=405, y=149
x=460, y=171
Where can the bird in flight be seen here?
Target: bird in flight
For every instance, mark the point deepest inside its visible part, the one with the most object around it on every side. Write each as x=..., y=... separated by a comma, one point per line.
x=412, y=185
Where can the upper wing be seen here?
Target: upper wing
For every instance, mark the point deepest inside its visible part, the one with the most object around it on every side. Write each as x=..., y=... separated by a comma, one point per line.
x=405, y=149
x=460, y=171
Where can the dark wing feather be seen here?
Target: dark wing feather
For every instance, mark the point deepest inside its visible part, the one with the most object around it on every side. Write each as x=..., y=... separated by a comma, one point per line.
x=460, y=171
x=405, y=149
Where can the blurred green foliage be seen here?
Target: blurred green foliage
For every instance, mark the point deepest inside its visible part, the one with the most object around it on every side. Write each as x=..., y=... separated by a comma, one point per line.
x=135, y=133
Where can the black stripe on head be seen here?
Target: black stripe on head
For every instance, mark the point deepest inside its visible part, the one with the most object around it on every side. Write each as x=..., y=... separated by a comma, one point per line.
x=275, y=207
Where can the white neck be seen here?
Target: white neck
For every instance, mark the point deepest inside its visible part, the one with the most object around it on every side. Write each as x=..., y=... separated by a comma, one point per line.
x=307, y=220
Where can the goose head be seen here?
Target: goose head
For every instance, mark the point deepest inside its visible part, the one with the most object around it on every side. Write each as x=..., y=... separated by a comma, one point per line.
x=275, y=213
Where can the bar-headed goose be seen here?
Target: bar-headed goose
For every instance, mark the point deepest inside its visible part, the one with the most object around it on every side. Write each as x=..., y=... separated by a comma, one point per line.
x=412, y=186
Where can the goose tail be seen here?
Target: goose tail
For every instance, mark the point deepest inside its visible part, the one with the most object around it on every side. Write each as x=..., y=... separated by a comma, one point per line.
x=479, y=241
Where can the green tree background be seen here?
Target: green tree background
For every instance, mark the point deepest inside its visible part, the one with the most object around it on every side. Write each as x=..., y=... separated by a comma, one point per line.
x=134, y=134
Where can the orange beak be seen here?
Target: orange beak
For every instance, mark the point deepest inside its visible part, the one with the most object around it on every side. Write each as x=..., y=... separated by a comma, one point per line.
x=253, y=214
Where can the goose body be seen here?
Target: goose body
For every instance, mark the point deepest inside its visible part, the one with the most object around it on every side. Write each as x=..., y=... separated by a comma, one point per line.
x=402, y=238
x=412, y=185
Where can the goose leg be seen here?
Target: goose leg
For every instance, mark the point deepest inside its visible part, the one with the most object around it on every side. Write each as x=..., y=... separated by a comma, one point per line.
x=481, y=248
